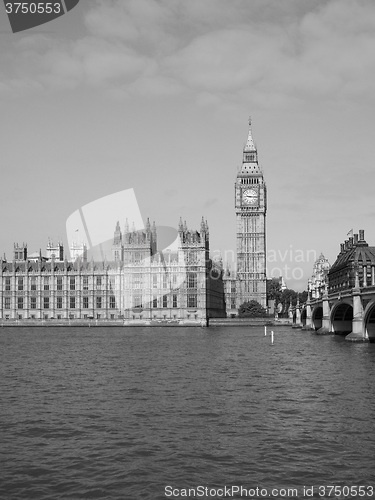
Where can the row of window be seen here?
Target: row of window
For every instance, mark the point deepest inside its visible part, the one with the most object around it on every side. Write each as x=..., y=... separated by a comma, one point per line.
x=342, y=283
x=191, y=301
x=47, y=302
x=165, y=301
x=99, y=303
x=46, y=283
x=249, y=180
x=98, y=316
x=137, y=281
x=250, y=157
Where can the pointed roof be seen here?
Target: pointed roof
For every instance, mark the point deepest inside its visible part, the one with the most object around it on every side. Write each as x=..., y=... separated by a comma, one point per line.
x=250, y=146
x=203, y=225
x=250, y=165
x=153, y=230
x=354, y=253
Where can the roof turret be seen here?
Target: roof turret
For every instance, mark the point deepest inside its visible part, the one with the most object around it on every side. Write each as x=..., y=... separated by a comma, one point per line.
x=250, y=146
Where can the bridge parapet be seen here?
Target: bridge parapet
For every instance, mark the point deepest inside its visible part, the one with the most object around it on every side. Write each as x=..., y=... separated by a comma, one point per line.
x=348, y=312
x=345, y=303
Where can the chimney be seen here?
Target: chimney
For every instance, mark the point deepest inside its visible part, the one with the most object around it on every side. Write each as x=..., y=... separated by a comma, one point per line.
x=355, y=239
x=346, y=243
x=342, y=247
x=361, y=235
x=351, y=242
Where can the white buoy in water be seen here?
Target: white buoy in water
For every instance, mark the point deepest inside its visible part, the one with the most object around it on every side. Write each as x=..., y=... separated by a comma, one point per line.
x=271, y=337
x=265, y=330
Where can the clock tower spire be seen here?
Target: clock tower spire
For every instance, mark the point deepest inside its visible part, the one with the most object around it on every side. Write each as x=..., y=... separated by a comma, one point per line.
x=251, y=207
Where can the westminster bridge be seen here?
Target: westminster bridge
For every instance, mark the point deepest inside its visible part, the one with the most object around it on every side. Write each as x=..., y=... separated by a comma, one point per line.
x=350, y=313
x=345, y=304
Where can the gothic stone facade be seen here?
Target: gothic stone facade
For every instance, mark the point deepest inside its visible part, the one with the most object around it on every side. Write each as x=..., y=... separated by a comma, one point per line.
x=319, y=279
x=355, y=257
x=249, y=280
x=140, y=286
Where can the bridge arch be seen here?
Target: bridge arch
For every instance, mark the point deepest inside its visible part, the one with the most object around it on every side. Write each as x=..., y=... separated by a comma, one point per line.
x=303, y=316
x=369, y=321
x=342, y=318
x=317, y=317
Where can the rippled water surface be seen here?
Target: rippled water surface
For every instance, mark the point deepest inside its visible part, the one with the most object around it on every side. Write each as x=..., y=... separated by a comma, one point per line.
x=123, y=413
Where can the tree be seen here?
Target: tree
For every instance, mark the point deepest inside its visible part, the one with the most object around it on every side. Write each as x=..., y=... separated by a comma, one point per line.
x=290, y=296
x=274, y=289
x=251, y=309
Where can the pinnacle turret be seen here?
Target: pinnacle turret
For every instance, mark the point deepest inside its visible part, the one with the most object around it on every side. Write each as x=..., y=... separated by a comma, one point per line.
x=203, y=225
x=117, y=235
x=154, y=233
x=148, y=229
x=250, y=165
x=250, y=146
x=180, y=225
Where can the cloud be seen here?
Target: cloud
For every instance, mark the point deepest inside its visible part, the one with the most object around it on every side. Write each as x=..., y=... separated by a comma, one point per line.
x=210, y=202
x=267, y=52
x=316, y=57
x=102, y=61
x=222, y=61
x=141, y=24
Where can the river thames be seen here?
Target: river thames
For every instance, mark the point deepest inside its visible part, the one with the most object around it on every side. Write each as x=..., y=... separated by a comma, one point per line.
x=155, y=413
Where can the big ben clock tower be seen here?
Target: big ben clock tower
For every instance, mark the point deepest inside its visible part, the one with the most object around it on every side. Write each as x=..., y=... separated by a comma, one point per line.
x=251, y=207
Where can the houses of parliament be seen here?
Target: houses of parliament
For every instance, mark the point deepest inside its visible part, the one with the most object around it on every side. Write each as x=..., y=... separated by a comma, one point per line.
x=141, y=284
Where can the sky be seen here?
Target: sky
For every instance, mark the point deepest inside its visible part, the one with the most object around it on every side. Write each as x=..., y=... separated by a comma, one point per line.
x=156, y=95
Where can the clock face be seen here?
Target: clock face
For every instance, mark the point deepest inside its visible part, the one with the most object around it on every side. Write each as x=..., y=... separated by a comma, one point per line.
x=250, y=197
